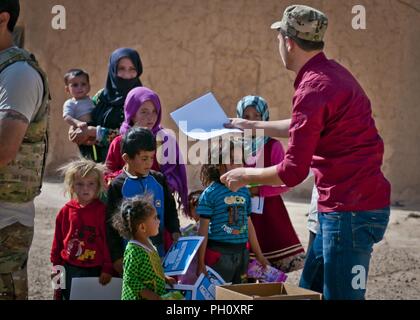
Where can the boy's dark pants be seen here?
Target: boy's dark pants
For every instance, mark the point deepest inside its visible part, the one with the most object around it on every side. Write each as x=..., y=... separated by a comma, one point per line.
x=230, y=262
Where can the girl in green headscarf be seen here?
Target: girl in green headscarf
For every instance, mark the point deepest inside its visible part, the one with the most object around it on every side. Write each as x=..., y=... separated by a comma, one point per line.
x=276, y=235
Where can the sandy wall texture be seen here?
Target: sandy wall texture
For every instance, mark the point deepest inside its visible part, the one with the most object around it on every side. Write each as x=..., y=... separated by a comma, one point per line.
x=190, y=47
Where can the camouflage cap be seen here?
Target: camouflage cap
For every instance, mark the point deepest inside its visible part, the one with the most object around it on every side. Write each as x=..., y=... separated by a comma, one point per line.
x=303, y=22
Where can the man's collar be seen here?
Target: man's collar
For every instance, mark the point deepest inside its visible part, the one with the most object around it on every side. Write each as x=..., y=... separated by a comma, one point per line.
x=320, y=57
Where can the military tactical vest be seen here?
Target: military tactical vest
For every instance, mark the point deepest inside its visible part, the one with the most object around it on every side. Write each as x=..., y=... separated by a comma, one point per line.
x=21, y=179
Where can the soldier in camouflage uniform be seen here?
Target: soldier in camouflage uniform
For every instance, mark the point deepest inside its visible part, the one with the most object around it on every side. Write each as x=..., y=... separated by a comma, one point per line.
x=24, y=98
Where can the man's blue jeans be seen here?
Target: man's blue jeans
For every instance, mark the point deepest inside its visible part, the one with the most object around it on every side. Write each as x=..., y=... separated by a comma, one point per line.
x=337, y=263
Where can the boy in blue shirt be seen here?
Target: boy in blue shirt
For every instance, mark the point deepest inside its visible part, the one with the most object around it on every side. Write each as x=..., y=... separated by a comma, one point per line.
x=138, y=148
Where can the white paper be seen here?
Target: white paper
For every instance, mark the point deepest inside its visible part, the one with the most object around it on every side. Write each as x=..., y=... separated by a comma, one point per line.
x=91, y=289
x=202, y=119
x=257, y=205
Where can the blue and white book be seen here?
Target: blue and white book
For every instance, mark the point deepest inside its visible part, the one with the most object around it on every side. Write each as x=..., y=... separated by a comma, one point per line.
x=180, y=255
x=205, y=287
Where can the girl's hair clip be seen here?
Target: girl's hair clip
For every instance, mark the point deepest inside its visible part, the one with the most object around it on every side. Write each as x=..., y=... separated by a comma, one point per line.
x=127, y=212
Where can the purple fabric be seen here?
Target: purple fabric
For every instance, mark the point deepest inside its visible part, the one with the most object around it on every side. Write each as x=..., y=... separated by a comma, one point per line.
x=176, y=174
x=276, y=156
x=135, y=98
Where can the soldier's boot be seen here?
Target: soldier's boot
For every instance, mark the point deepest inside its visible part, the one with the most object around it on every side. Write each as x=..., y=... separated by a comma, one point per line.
x=15, y=241
x=7, y=290
x=14, y=286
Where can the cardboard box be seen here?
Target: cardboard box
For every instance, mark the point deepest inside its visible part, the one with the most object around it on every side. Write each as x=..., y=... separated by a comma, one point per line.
x=265, y=291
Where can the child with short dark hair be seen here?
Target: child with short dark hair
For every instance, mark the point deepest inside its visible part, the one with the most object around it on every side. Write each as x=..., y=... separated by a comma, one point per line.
x=225, y=223
x=138, y=149
x=143, y=276
x=77, y=110
x=80, y=237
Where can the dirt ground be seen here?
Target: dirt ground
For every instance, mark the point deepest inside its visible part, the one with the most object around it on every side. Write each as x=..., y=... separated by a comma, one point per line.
x=394, y=271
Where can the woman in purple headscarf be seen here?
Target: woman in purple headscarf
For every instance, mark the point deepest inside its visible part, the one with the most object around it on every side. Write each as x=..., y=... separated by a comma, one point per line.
x=142, y=108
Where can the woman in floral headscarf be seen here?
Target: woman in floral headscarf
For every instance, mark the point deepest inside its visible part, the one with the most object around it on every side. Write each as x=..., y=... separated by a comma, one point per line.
x=276, y=235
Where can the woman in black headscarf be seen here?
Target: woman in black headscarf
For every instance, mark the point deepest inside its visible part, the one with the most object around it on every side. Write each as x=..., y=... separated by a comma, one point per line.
x=124, y=72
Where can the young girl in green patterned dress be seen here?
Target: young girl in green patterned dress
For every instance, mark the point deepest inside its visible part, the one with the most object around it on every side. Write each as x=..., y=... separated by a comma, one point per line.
x=143, y=277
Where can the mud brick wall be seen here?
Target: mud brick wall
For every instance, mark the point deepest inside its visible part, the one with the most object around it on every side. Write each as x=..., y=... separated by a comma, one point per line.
x=190, y=47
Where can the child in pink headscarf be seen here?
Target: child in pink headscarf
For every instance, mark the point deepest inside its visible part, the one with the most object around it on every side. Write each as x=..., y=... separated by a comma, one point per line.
x=142, y=108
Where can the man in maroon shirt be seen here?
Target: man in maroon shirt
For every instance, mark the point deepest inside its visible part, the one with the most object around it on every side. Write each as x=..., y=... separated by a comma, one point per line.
x=333, y=133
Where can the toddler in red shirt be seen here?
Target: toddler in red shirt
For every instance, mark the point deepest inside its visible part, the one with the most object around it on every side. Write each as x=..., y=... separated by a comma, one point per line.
x=79, y=243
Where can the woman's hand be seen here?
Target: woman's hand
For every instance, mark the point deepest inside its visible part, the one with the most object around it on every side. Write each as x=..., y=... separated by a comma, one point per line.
x=82, y=135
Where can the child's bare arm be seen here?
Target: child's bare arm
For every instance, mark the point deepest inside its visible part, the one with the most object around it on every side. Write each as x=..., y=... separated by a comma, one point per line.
x=118, y=265
x=204, y=232
x=255, y=246
x=74, y=122
x=169, y=280
x=149, y=295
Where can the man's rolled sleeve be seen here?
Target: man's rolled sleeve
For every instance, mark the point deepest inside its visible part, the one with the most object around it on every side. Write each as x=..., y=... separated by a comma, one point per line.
x=304, y=133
